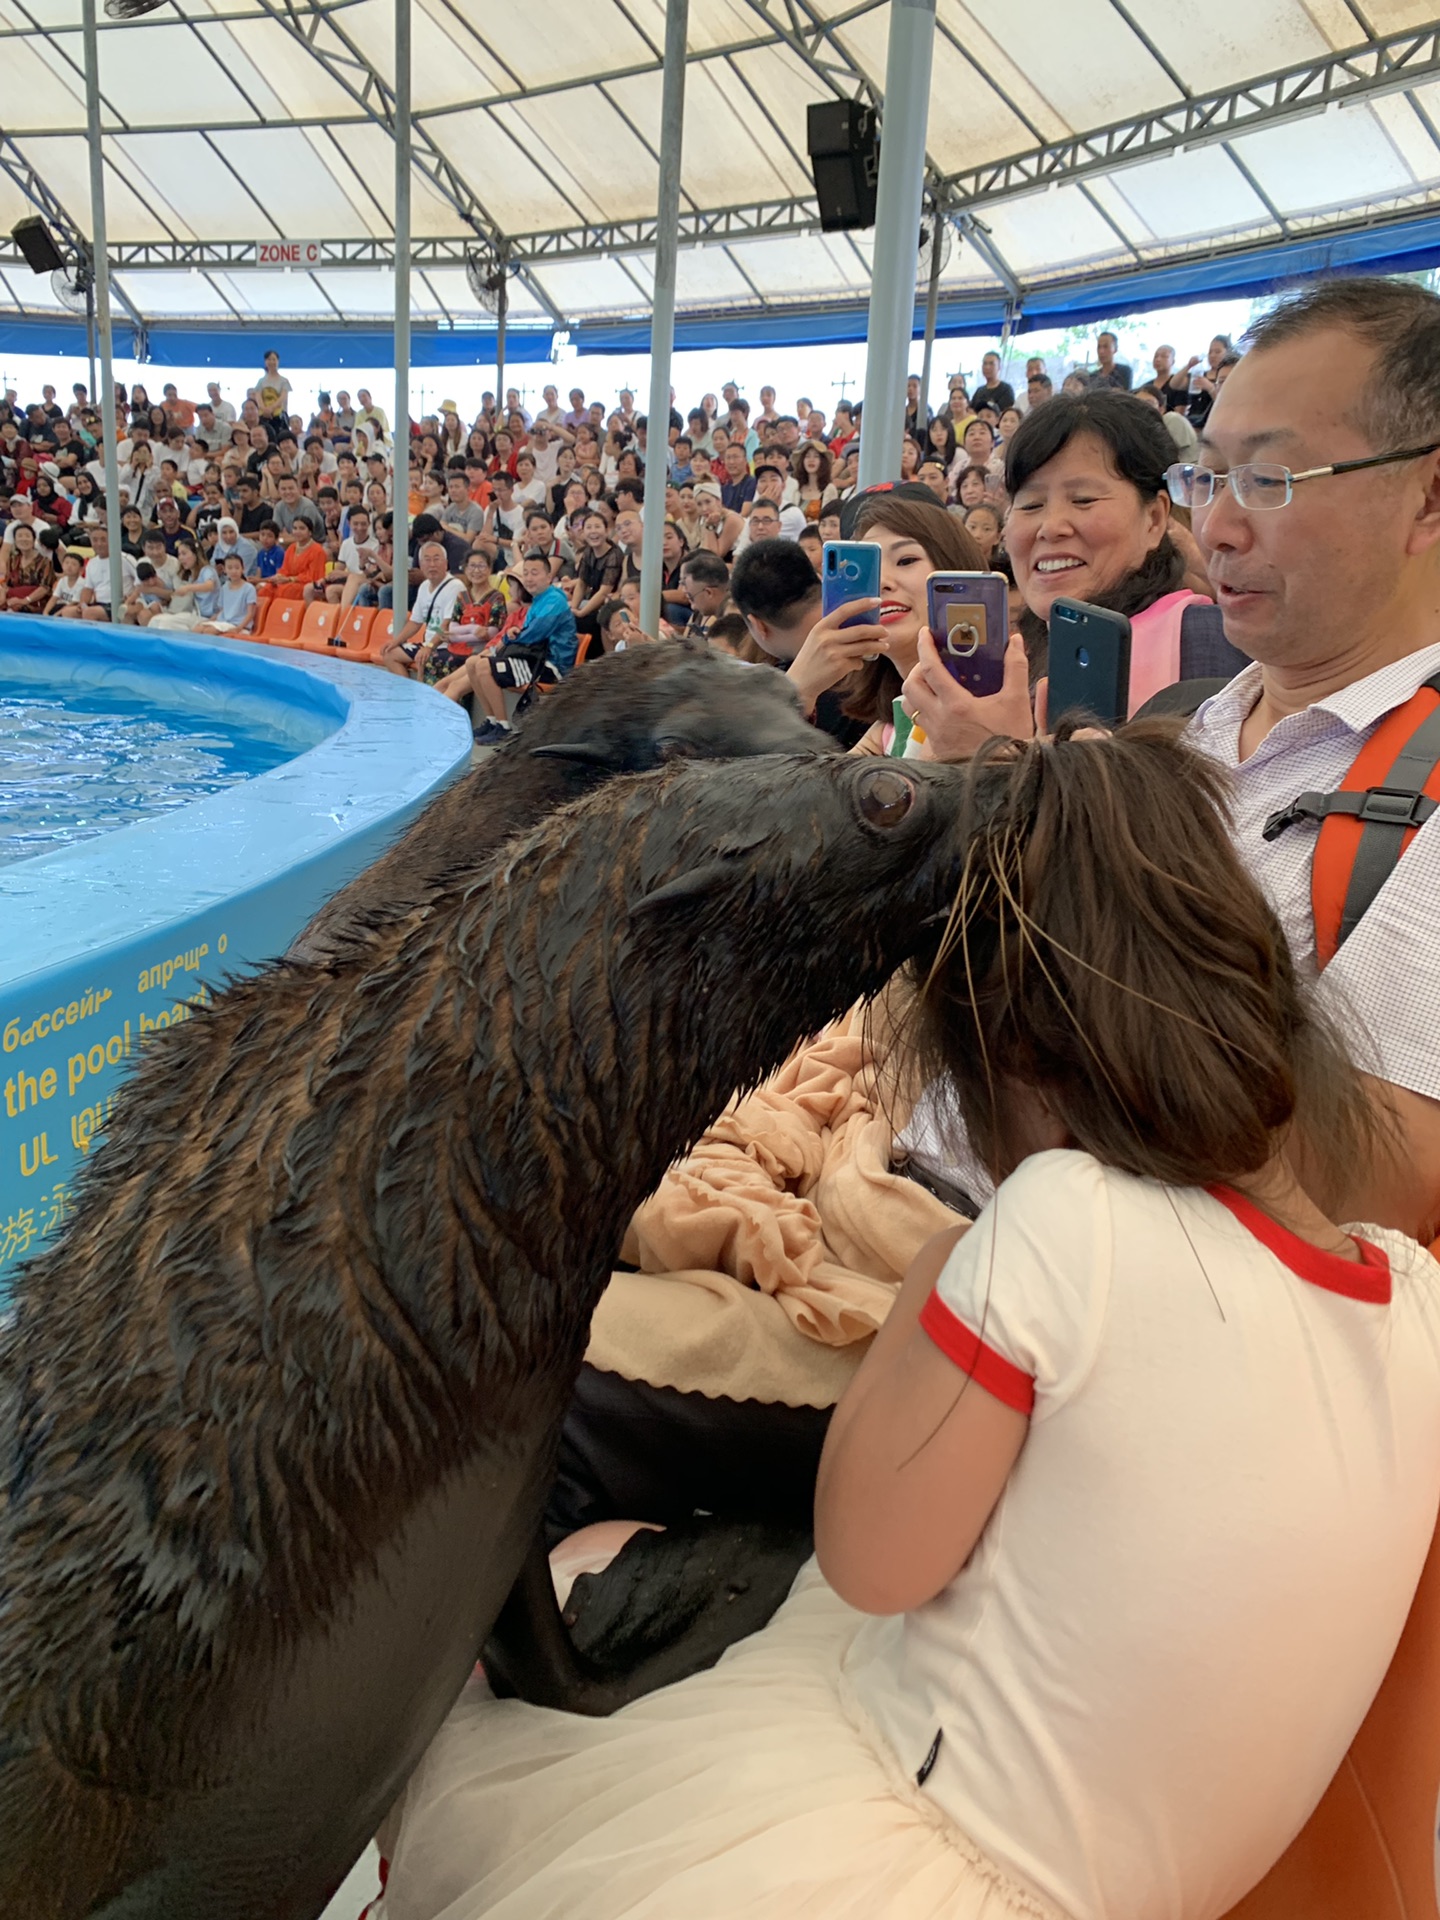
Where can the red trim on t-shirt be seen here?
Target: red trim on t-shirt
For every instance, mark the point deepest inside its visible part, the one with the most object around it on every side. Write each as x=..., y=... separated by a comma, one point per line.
x=1000, y=1377
x=1368, y=1281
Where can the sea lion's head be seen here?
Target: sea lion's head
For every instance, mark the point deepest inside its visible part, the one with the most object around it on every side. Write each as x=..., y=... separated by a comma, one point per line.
x=675, y=700
x=718, y=912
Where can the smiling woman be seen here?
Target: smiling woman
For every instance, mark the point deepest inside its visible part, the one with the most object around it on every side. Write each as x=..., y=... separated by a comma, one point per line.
x=1090, y=519
x=915, y=541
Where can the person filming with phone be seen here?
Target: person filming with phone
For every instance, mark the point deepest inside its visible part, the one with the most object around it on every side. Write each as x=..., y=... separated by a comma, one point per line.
x=1316, y=503
x=1089, y=520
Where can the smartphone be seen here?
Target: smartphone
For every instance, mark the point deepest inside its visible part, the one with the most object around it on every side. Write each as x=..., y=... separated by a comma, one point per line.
x=969, y=617
x=850, y=570
x=1089, y=662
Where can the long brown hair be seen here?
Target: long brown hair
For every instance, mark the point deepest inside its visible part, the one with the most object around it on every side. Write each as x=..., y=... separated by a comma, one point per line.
x=1108, y=949
x=871, y=692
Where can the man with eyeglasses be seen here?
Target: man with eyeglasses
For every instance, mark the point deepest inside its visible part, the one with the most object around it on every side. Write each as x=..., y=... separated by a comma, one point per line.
x=1316, y=503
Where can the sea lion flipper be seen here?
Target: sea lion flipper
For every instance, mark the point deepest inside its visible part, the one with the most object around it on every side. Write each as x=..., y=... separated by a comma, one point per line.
x=668, y=1605
x=530, y=1653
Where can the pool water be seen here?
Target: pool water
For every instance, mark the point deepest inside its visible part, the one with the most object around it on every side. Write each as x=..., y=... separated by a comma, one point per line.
x=92, y=761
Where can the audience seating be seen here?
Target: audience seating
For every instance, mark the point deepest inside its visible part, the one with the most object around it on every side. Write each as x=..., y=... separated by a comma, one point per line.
x=283, y=622
x=380, y=634
x=351, y=635
x=1369, y=1851
x=319, y=622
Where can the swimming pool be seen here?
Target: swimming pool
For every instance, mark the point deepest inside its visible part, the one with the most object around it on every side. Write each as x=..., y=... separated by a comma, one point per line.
x=80, y=764
x=129, y=892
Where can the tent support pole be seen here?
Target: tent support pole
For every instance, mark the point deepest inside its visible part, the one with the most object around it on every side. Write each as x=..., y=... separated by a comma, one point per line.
x=502, y=313
x=897, y=221
x=400, y=438
x=932, y=308
x=662, y=313
x=102, y=307
x=90, y=392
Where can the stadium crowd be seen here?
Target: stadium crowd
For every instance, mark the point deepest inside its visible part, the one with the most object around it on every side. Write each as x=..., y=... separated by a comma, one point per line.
x=525, y=528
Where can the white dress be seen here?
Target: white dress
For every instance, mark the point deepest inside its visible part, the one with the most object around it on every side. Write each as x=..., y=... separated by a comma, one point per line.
x=1135, y=1692
x=746, y=1792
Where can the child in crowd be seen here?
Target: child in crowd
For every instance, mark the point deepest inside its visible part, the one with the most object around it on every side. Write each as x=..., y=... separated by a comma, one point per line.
x=146, y=598
x=1117, y=1525
x=269, y=553
x=236, y=611
x=67, y=588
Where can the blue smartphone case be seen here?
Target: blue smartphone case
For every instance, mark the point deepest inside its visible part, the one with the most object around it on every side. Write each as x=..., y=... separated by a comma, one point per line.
x=850, y=570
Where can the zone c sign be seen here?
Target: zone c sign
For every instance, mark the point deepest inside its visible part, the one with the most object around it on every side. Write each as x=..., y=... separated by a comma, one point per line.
x=287, y=253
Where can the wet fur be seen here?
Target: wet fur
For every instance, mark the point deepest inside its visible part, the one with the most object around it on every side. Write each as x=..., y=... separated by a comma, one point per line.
x=278, y=1413
x=628, y=713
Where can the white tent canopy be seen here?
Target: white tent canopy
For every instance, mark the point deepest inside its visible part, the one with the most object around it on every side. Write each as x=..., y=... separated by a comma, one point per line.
x=1074, y=143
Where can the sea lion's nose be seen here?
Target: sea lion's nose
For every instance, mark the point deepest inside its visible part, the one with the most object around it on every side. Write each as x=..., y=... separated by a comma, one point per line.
x=884, y=796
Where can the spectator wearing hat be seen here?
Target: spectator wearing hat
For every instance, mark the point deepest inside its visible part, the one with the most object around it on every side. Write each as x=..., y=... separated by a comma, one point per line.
x=720, y=525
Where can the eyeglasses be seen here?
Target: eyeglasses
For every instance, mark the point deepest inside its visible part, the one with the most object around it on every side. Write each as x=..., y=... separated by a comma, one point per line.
x=1259, y=487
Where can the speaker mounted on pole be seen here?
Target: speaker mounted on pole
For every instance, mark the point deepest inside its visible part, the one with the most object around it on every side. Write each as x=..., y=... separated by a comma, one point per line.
x=843, y=140
x=37, y=245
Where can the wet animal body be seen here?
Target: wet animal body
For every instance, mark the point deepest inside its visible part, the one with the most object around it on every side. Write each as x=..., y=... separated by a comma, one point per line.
x=626, y=713
x=278, y=1414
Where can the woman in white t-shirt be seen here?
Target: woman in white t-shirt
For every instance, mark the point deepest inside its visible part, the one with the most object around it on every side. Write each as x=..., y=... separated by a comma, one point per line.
x=1119, y=1521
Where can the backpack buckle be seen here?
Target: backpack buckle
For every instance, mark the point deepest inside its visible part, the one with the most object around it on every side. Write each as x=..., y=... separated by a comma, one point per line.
x=1393, y=807
x=1382, y=806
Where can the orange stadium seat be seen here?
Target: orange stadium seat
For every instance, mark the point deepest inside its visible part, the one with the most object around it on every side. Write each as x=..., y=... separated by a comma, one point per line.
x=283, y=622
x=1369, y=1850
x=351, y=636
x=319, y=622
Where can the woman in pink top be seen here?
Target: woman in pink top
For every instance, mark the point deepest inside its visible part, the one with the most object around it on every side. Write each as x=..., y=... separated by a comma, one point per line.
x=1090, y=519
x=1119, y=1521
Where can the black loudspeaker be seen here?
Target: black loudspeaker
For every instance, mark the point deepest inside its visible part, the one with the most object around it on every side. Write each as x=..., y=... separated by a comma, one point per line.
x=843, y=139
x=35, y=241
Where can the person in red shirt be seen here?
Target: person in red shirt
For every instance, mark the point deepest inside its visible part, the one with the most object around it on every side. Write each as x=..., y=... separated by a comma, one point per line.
x=302, y=571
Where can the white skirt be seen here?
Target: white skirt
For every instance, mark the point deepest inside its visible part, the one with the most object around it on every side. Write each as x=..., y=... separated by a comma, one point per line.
x=742, y=1791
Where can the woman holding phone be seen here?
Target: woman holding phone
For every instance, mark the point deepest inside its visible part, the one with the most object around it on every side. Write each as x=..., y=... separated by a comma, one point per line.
x=915, y=540
x=1089, y=520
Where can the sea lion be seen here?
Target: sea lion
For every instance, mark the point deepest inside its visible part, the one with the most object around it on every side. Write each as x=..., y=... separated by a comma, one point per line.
x=278, y=1412
x=625, y=713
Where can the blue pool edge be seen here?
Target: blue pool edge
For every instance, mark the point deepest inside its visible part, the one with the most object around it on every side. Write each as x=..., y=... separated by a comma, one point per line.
x=112, y=938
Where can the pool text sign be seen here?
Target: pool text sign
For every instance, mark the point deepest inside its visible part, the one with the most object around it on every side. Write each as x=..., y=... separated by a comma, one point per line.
x=64, y=1055
x=287, y=253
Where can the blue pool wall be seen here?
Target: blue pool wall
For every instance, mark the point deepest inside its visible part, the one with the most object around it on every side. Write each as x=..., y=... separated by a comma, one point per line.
x=108, y=940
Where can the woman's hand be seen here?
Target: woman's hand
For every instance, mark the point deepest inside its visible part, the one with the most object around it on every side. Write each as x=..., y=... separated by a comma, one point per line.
x=957, y=721
x=832, y=651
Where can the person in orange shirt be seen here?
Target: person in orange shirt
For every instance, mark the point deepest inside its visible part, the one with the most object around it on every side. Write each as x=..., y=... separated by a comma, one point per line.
x=182, y=412
x=302, y=571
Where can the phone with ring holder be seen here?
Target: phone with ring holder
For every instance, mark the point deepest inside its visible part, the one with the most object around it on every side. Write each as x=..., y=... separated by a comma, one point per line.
x=969, y=618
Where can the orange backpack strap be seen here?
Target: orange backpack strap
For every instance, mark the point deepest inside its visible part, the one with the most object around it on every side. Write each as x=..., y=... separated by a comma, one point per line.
x=1366, y=824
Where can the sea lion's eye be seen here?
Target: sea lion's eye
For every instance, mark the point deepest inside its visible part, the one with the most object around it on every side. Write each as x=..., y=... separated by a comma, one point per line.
x=885, y=796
